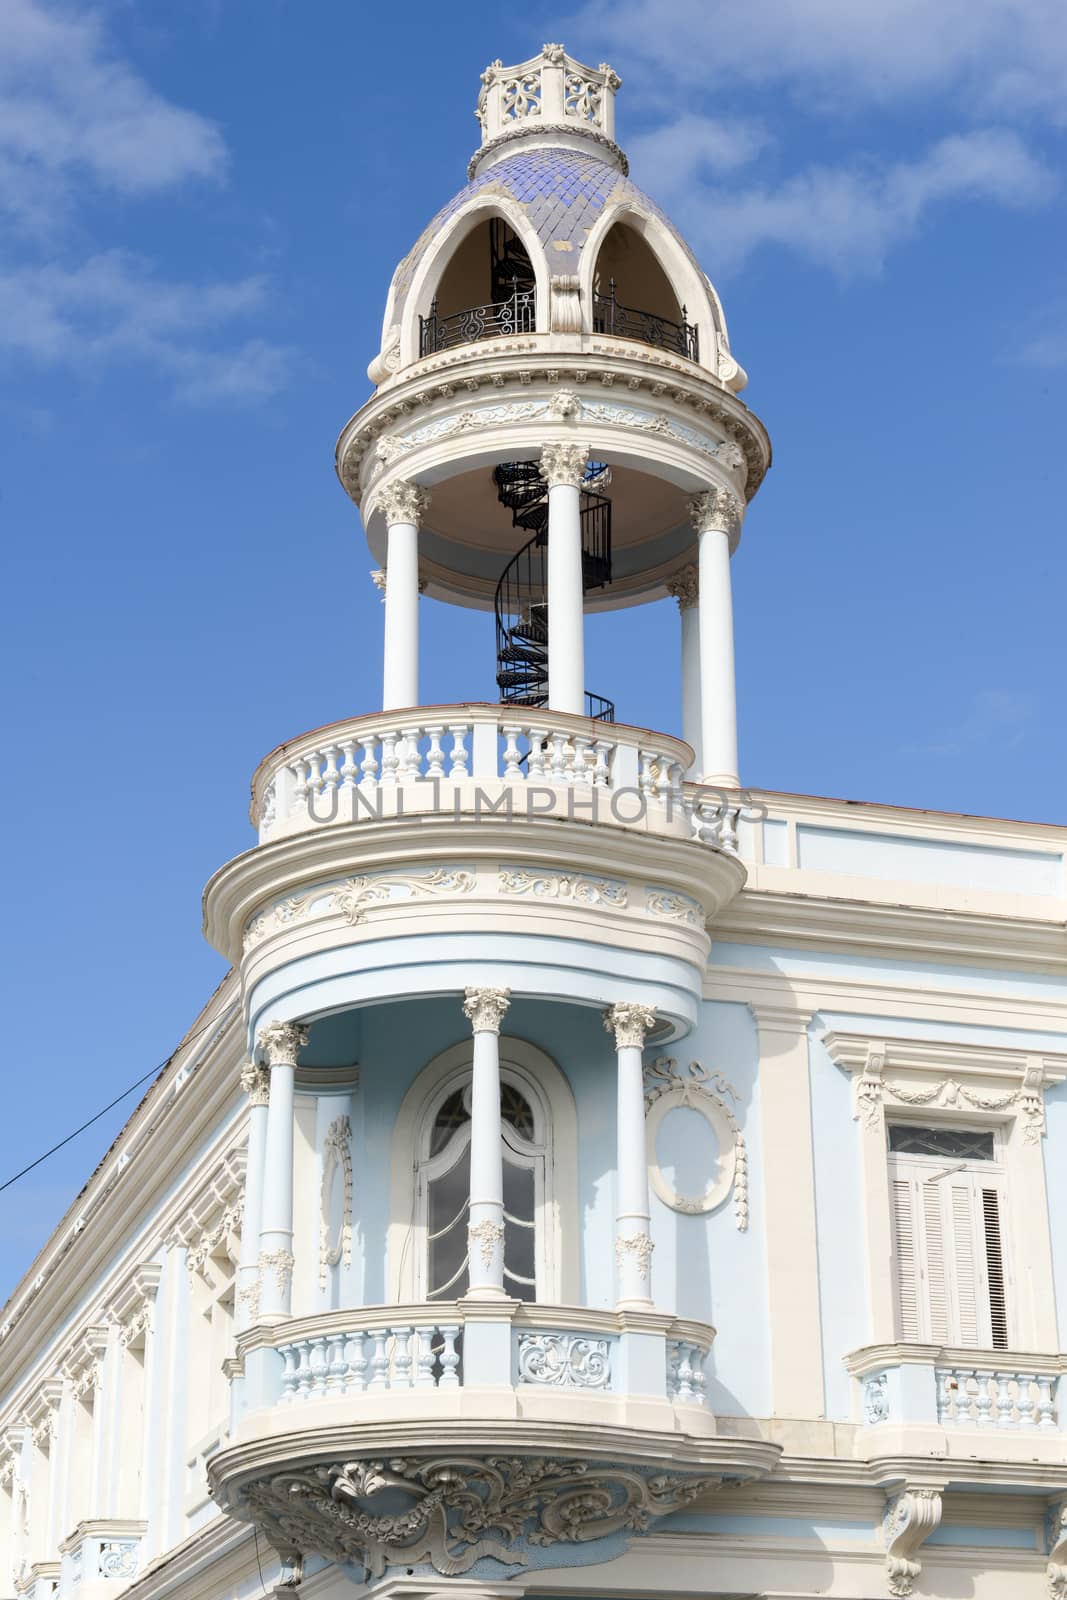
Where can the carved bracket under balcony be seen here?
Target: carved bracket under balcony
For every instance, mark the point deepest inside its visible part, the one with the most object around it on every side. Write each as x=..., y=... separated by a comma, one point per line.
x=455, y=1511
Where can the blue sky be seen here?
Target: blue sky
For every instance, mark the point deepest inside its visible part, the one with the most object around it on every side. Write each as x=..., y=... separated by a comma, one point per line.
x=200, y=209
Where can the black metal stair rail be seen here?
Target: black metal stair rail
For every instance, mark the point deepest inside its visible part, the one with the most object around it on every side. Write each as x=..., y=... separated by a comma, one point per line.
x=522, y=592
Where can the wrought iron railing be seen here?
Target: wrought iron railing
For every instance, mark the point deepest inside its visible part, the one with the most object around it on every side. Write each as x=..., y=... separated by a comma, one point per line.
x=498, y=319
x=623, y=322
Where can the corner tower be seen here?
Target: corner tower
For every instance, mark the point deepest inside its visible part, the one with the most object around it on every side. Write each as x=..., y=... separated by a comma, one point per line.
x=556, y=426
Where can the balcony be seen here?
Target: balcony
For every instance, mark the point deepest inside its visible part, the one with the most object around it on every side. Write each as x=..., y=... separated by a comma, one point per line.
x=468, y=759
x=624, y=322
x=453, y=1432
x=498, y=319
x=956, y=1403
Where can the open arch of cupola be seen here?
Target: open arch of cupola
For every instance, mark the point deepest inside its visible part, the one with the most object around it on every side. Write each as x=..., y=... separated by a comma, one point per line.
x=485, y=277
x=638, y=282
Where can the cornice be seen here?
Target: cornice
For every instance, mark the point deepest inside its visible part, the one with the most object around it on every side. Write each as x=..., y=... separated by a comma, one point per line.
x=273, y=870
x=850, y=1052
x=552, y=360
x=897, y=932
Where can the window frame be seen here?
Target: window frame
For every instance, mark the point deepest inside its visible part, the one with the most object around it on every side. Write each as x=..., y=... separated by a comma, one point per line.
x=540, y=1079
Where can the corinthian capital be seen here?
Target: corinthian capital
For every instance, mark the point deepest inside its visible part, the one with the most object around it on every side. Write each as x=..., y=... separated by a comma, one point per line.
x=564, y=463
x=279, y=1042
x=255, y=1081
x=717, y=510
x=484, y=1008
x=403, y=501
x=685, y=587
x=629, y=1023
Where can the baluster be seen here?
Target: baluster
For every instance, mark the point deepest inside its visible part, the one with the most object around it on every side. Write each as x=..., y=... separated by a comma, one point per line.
x=390, y=761
x=303, y=1371
x=410, y=760
x=336, y=1365
x=946, y=1392
x=356, y=1360
x=559, y=758
x=319, y=1365
x=685, y=1375
x=1005, y=1401
x=674, y=1359
x=379, y=1361
x=401, y=1358
x=425, y=1358
x=698, y=1378
x=435, y=755
x=646, y=776
x=349, y=770
x=449, y=1332
x=601, y=770
x=315, y=772
x=535, y=764
x=983, y=1400
x=299, y=769
x=369, y=774
x=288, y=1355
x=459, y=768
x=512, y=753
x=1024, y=1400
x=331, y=777
x=1046, y=1389
x=728, y=829
x=582, y=757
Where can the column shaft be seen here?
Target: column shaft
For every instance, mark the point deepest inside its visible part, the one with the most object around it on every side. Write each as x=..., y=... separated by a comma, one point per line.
x=280, y=1043
x=485, y=1230
x=566, y=641
x=400, y=676
x=718, y=697
x=633, y=1239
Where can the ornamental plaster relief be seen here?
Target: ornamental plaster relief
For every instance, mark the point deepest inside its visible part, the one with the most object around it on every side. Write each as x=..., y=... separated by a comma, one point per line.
x=350, y=899
x=212, y=1222
x=456, y=1511
x=336, y=1156
x=565, y=405
x=707, y=1092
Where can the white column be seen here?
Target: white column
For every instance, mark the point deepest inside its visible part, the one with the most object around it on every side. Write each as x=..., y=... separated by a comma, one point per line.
x=629, y=1023
x=279, y=1042
x=684, y=586
x=485, y=1008
x=563, y=467
x=716, y=516
x=255, y=1081
x=404, y=505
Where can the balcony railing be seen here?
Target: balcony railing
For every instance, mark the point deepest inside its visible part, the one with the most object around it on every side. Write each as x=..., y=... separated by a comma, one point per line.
x=624, y=322
x=497, y=320
x=1010, y=1395
x=468, y=758
x=376, y=1350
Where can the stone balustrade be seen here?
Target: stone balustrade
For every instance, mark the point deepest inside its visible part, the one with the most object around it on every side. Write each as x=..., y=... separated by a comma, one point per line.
x=928, y=1387
x=370, y=1351
x=987, y=1396
x=487, y=760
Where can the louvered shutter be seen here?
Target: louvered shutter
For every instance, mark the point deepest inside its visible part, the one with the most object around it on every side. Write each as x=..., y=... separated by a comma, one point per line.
x=949, y=1258
x=906, y=1252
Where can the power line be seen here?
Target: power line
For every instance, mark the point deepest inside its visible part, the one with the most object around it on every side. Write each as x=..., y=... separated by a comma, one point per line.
x=154, y=1073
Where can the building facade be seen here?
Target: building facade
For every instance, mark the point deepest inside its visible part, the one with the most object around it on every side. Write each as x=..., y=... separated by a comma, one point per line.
x=591, y=1177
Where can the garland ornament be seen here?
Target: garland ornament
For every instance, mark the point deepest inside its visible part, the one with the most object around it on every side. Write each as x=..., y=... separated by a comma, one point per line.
x=697, y=1088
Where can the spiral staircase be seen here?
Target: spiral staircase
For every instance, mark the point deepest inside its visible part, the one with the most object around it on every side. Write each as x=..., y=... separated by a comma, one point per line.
x=522, y=641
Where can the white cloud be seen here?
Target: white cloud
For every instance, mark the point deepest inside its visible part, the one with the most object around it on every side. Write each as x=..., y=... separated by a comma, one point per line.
x=847, y=218
x=1006, y=54
x=998, y=717
x=70, y=108
x=115, y=306
x=79, y=124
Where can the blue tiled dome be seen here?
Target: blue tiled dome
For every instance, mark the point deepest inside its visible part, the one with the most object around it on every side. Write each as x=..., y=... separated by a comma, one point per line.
x=562, y=191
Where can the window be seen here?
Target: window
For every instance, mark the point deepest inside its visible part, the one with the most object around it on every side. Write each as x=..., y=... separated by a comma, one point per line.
x=444, y=1190
x=947, y=1205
